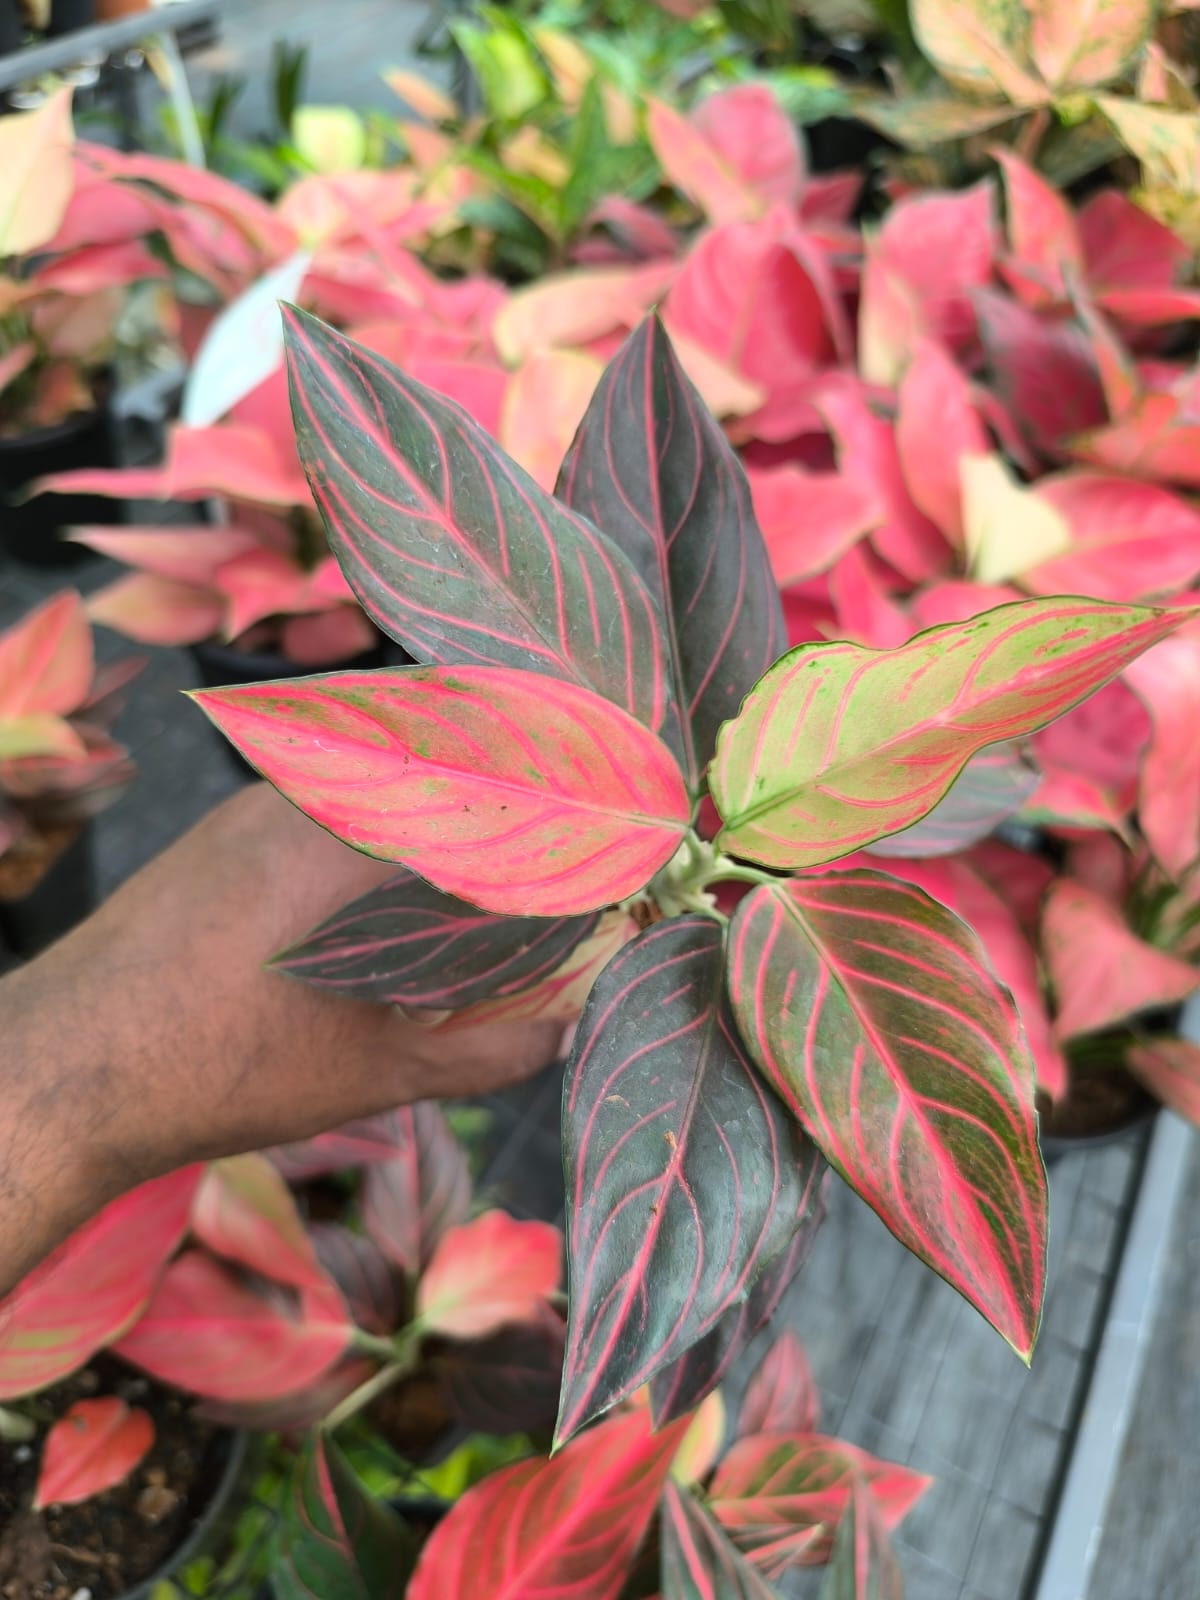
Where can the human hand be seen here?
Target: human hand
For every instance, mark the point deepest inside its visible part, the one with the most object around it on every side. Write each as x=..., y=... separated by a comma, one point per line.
x=152, y=1035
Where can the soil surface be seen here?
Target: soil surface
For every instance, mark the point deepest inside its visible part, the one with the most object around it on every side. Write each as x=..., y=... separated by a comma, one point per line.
x=106, y=1545
x=25, y=864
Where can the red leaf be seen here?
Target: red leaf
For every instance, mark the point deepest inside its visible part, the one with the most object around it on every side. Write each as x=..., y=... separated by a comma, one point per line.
x=207, y=1333
x=91, y=1447
x=410, y=1200
x=862, y=1564
x=487, y=1273
x=93, y=1286
x=1125, y=247
x=569, y=1526
x=1170, y=1069
x=698, y=1561
x=669, y=1217
x=531, y=796
x=450, y=547
x=1046, y=247
x=751, y=131
x=810, y=519
x=1044, y=371
x=1157, y=439
x=1129, y=540
x=781, y=1396
x=874, y=1014
x=1101, y=971
x=363, y=1275
x=244, y=1211
x=771, y=1486
x=936, y=425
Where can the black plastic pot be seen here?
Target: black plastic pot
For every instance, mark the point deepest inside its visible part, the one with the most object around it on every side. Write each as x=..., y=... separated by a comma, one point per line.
x=1138, y=1107
x=210, y=1527
x=61, y=898
x=12, y=33
x=68, y=16
x=220, y=664
x=30, y=531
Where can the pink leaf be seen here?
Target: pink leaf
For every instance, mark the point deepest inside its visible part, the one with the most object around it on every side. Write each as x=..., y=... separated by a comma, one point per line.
x=1044, y=372
x=543, y=407
x=487, y=1273
x=157, y=610
x=569, y=1526
x=1129, y=540
x=227, y=459
x=244, y=1211
x=810, y=519
x=1045, y=244
x=93, y=1286
x=1167, y=681
x=1170, y=1069
x=46, y=660
x=936, y=426
x=411, y=1200
x=185, y=555
x=1101, y=971
x=91, y=1447
x=781, y=1396
x=206, y=1332
x=434, y=766
x=694, y=164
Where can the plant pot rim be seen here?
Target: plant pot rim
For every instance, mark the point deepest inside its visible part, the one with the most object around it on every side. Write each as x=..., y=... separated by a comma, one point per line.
x=239, y=1443
x=52, y=432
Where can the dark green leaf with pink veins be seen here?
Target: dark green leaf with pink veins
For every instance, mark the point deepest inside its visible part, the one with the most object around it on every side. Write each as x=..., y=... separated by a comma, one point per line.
x=653, y=470
x=873, y=1012
x=698, y=1561
x=684, y=1173
x=334, y=1541
x=681, y=1386
x=450, y=546
x=406, y=943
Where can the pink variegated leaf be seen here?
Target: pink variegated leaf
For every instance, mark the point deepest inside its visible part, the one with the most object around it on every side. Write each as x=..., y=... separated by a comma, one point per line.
x=862, y=1563
x=692, y=163
x=406, y=944
x=487, y=1273
x=936, y=426
x=1170, y=1069
x=412, y=1199
x=571, y=309
x=92, y=1447
x=838, y=745
x=335, y=1541
x=698, y=1560
x=209, y=1333
x=160, y=611
x=652, y=469
x=88, y=1291
x=772, y=1487
x=680, y=1387
x=1129, y=540
x=569, y=1526
x=244, y=1211
x=1158, y=438
x=664, y=1241
x=544, y=402
x=1101, y=971
x=874, y=1014
x=810, y=519
x=781, y=1396
x=450, y=547
x=749, y=129
x=993, y=786
x=46, y=660
x=239, y=462
x=1167, y=681
x=460, y=771
x=974, y=887
x=1044, y=241
x=980, y=47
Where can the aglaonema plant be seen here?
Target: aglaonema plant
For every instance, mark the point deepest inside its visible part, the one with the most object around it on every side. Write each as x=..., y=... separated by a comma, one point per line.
x=596, y=668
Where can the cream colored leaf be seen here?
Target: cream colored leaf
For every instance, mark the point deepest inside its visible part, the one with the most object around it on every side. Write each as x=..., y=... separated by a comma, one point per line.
x=1006, y=527
x=36, y=174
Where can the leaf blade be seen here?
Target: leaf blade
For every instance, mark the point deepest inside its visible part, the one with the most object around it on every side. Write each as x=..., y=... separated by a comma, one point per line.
x=698, y=1561
x=873, y=1012
x=439, y=766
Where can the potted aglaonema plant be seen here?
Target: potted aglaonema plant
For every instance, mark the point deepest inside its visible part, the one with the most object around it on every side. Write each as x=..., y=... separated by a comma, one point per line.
x=59, y=767
x=110, y=1482
x=596, y=668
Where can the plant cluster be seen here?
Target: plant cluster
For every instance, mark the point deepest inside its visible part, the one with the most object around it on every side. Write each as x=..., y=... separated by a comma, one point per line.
x=58, y=763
